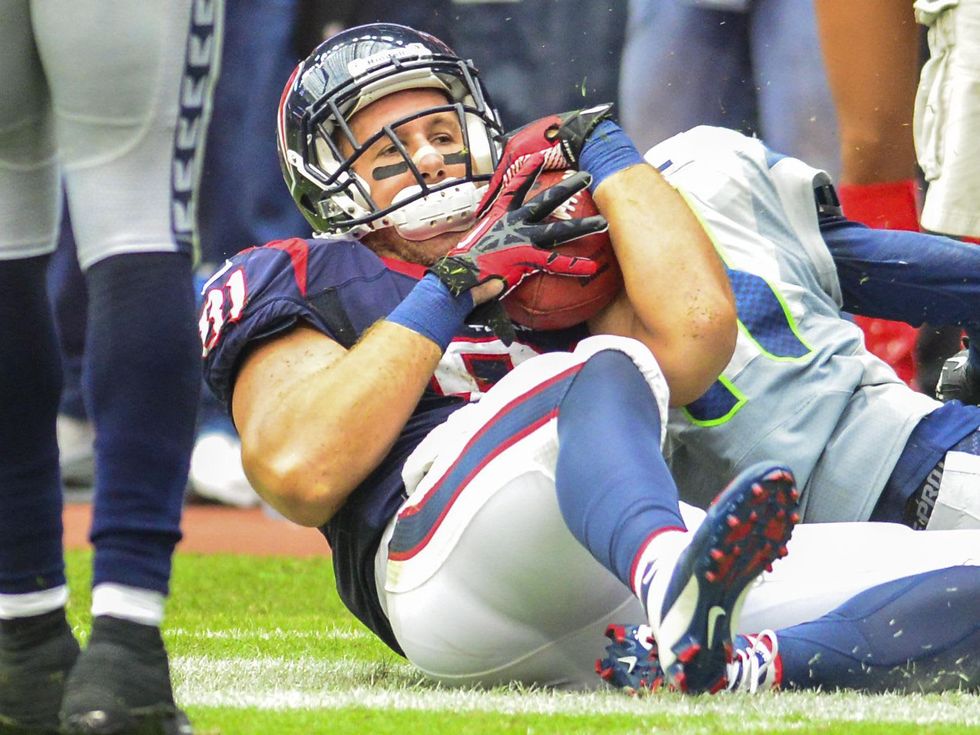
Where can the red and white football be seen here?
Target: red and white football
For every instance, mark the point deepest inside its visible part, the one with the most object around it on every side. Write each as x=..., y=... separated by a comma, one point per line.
x=548, y=301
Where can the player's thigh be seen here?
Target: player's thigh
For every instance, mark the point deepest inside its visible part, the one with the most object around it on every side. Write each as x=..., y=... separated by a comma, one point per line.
x=518, y=599
x=481, y=579
x=829, y=563
x=128, y=82
x=29, y=183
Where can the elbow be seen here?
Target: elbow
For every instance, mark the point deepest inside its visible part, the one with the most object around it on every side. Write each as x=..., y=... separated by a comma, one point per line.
x=304, y=495
x=711, y=333
x=703, y=353
x=717, y=335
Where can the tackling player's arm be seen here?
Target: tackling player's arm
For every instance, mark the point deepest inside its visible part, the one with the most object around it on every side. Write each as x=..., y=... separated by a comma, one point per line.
x=912, y=277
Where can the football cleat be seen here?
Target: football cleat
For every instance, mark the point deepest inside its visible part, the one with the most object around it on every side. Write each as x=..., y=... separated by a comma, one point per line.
x=693, y=609
x=121, y=684
x=36, y=655
x=631, y=659
x=632, y=664
x=755, y=665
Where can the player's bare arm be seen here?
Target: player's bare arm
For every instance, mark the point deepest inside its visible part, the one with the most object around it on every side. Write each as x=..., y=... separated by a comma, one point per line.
x=677, y=299
x=315, y=419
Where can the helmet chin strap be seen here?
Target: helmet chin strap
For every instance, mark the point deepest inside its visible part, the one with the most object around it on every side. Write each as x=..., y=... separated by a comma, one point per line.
x=448, y=210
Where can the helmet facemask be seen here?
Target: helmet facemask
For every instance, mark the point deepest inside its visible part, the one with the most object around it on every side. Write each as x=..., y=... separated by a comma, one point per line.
x=325, y=152
x=422, y=209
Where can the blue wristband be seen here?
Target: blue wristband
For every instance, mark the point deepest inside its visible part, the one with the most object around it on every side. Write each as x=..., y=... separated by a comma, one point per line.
x=607, y=151
x=432, y=311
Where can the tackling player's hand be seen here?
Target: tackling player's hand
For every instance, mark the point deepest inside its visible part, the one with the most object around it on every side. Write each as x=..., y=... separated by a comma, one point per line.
x=559, y=137
x=959, y=380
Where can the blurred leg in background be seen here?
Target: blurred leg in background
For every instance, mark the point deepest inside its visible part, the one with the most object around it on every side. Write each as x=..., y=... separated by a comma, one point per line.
x=872, y=51
x=750, y=65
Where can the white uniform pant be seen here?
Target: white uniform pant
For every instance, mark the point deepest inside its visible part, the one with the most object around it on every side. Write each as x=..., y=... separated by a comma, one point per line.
x=111, y=96
x=492, y=587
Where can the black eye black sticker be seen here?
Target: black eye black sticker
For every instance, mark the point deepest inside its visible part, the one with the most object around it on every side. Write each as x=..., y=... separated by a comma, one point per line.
x=395, y=169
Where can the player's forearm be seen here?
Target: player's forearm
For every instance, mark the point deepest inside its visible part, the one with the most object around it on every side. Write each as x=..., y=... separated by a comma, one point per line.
x=322, y=426
x=673, y=277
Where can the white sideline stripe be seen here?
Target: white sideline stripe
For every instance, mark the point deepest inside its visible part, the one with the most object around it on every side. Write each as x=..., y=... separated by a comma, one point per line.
x=275, y=634
x=307, y=683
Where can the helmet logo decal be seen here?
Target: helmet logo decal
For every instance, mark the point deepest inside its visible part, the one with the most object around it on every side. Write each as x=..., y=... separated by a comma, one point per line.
x=413, y=50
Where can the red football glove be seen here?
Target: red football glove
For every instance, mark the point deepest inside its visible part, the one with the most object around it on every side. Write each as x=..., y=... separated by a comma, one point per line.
x=510, y=241
x=559, y=137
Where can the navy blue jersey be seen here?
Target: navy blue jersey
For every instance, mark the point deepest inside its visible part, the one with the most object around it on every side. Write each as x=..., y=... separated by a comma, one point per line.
x=341, y=288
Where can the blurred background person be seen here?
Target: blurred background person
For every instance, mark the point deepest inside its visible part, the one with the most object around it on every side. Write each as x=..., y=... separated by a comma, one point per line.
x=947, y=117
x=542, y=56
x=538, y=56
x=750, y=65
x=946, y=126
x=872, y=55
x=874, y=70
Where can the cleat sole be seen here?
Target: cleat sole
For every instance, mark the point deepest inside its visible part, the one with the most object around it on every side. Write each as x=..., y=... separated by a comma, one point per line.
x=745, y=531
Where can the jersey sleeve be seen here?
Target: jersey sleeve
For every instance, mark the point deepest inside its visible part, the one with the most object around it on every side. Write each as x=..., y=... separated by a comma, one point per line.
x=265, y=291
x=907, y=276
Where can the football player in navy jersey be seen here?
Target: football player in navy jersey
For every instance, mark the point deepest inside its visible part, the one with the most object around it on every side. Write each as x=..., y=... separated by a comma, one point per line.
x=494, y=496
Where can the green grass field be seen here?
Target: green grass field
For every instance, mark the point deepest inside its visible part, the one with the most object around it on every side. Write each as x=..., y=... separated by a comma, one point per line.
x=263, y=646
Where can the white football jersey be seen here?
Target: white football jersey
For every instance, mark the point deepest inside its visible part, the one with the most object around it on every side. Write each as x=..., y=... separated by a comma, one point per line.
x=801, y=388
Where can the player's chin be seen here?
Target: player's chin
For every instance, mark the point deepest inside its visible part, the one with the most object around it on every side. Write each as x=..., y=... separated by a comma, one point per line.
x=388, y=243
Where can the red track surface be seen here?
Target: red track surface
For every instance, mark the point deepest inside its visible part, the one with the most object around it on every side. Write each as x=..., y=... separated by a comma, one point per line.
x=210, y=529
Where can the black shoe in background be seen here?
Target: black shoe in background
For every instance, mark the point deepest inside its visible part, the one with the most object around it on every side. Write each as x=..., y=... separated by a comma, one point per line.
x=36, y=656
x=121, y=684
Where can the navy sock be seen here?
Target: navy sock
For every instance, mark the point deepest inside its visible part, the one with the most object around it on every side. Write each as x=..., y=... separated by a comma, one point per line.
x=614, y=488
x=142, y=380
x=30, y=383
x=912, y=634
